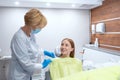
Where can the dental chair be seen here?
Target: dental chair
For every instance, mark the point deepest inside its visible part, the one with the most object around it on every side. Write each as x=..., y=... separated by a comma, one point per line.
x=47, y=75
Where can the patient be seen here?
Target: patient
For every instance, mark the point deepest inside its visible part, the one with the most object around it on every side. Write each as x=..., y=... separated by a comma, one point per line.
x=66, y=67
x=66, y=64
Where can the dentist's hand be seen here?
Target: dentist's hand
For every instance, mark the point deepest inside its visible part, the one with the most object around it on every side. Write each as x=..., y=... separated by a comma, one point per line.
x=46, y=62
x=50, y=54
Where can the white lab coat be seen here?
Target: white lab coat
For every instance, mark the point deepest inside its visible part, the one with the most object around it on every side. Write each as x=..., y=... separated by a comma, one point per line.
x=26, y=57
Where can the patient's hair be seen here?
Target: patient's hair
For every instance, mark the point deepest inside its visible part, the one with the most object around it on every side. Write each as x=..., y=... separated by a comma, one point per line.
x=72, y=45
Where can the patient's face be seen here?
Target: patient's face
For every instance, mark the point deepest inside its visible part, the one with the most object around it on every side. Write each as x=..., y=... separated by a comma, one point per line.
x=66, y=48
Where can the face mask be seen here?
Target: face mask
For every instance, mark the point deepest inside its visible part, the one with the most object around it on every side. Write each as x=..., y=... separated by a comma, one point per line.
x=36, y=31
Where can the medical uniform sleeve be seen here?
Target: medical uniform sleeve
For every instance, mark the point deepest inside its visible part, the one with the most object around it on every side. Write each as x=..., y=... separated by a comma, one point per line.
x=20, y=50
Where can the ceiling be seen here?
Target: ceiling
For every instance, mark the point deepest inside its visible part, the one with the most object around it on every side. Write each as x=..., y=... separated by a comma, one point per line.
x=65, y=4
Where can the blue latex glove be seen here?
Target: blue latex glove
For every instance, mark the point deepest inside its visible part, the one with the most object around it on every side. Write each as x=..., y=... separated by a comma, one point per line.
x=50, y=54
x=46, y=62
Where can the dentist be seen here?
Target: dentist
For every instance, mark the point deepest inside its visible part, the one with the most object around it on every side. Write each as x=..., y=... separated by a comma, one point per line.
x=26, y=57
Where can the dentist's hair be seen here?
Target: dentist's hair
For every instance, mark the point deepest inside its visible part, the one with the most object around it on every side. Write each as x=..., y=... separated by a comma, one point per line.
x=35, y=18
x=72, y=45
